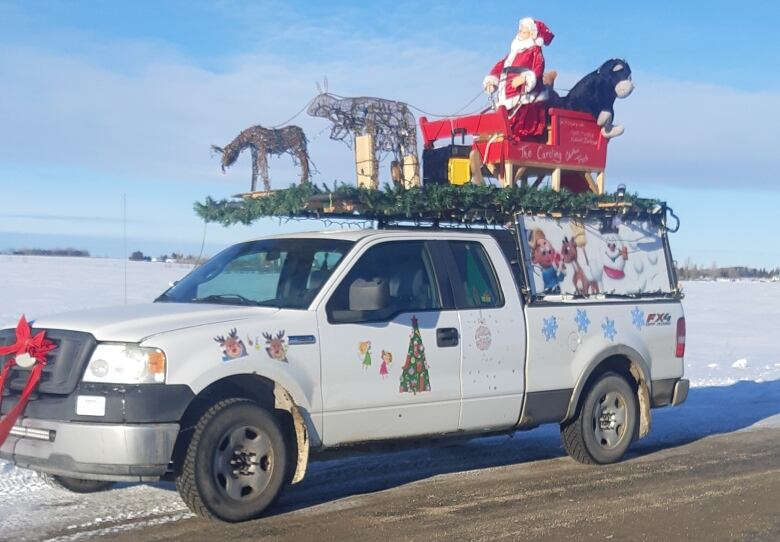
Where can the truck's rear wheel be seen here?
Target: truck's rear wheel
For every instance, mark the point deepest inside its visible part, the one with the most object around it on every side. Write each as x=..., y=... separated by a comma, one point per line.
x=606, y=422
x=236, y=462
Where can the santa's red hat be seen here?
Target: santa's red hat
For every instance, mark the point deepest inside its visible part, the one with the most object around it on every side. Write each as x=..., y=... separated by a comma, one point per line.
x=539, y=31
x=543, y=34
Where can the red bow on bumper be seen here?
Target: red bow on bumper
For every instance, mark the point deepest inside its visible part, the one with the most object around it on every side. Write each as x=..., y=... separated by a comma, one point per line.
x=36, y=347
x=26, y=345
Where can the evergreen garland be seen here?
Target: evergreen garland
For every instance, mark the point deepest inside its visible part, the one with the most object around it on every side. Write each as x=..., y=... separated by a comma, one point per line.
x=432, y=202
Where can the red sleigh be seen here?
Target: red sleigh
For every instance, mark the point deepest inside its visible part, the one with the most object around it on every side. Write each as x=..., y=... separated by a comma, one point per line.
x=574, y=155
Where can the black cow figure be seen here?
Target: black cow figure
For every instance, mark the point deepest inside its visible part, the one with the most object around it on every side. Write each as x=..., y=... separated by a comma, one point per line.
x=596, y=93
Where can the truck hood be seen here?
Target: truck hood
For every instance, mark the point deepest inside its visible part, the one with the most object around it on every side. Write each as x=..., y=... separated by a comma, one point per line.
x=133, y=323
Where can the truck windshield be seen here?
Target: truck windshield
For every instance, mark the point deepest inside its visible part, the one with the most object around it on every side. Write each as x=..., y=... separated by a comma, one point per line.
x=283, y=273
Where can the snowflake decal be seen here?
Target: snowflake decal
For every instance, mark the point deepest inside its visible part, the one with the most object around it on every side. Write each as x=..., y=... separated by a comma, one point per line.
x=550, y=328
x=638, y=318
x=582, y=320
x=608, y=327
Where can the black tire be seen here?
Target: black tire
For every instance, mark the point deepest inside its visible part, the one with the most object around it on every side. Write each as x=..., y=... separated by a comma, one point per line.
x=235, y=464
x=606, y=422
x=77, y=485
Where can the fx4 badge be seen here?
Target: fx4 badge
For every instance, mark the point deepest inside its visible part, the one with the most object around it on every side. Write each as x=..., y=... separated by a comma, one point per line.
x=662, y=319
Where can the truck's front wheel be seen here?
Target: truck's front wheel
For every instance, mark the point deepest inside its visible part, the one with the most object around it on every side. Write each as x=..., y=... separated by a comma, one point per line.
x=236, y=462
x=605, y=424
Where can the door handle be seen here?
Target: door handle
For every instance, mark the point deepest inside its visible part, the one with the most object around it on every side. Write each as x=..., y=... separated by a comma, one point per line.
x=446, y=336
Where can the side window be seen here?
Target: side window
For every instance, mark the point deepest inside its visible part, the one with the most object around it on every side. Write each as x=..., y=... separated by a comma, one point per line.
x=475, y=285
x=322, y=265
x=389, y=279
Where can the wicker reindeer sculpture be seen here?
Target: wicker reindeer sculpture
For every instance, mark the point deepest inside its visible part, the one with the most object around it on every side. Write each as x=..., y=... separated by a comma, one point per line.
x=265, y=142
x=391, y=123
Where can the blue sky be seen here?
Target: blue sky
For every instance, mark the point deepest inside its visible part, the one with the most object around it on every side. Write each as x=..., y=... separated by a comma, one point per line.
x=103, y=99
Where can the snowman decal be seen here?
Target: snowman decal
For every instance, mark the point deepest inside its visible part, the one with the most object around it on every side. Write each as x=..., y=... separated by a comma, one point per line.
x=615, y=257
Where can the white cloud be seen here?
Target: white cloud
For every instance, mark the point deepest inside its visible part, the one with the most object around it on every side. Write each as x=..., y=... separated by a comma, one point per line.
x=697, y=135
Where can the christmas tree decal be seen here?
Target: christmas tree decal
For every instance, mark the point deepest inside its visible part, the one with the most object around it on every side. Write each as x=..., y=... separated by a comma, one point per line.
x=414, y=375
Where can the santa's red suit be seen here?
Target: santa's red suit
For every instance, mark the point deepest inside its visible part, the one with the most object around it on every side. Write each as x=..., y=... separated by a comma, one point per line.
x=526, y=61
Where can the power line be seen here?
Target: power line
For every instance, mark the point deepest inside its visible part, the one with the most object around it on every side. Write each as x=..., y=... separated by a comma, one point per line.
x=202, y=243
x=124, y=237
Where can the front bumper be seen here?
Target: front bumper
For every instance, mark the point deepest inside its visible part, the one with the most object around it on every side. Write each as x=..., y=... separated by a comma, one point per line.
x=94, y=451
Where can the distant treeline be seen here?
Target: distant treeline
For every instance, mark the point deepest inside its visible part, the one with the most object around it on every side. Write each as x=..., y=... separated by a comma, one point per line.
x=49, y=252
x=173, y=257
x=694, y=272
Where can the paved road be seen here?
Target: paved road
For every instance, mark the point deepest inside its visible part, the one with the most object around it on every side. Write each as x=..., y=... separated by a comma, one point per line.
x=724, y=487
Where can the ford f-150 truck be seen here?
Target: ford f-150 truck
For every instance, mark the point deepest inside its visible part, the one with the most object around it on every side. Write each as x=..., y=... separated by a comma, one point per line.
x=291, y=343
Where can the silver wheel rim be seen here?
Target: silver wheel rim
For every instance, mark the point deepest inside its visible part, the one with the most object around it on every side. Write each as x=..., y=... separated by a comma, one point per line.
x=609, y=419
x=243, y=462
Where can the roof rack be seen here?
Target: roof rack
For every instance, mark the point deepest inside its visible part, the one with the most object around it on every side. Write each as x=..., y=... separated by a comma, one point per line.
x=426, y=206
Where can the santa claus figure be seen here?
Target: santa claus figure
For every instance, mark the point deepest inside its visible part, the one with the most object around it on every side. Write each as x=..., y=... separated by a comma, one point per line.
x=517, y=79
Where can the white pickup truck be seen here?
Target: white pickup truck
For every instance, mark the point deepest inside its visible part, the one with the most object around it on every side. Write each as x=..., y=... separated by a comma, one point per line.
x=301, y=342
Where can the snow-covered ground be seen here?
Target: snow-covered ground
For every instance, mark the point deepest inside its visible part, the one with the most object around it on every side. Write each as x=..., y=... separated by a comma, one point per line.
x=732, y=360
x=38, y=285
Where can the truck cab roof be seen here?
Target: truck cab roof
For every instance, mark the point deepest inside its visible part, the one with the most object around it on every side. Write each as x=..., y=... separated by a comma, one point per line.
x=360, y=234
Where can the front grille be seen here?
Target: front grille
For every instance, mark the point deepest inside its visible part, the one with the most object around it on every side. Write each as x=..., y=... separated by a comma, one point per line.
x=64, y=367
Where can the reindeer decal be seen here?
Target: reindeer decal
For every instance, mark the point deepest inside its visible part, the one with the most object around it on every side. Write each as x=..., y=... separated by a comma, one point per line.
x=265, y=142
x=582, y=279
x=275, y=346
x=587, y=274
x=232, y=346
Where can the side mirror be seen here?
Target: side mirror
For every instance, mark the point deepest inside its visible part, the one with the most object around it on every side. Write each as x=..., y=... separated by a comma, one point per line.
x=369, y=295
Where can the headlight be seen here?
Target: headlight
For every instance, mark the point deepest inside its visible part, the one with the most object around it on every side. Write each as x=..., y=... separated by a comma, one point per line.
x=121, y=363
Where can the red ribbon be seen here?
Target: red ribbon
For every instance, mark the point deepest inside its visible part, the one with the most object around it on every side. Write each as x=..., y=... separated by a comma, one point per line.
x=37, y=347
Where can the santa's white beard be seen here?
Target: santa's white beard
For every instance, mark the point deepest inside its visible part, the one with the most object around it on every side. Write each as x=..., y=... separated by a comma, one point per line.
x=518, y=45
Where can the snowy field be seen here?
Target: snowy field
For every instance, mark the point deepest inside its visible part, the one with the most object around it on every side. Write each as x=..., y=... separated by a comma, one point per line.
x=38, y=285
x=733, y=362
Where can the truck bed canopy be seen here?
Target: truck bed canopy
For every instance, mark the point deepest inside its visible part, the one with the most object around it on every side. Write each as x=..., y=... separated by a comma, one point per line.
x=608, y=255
